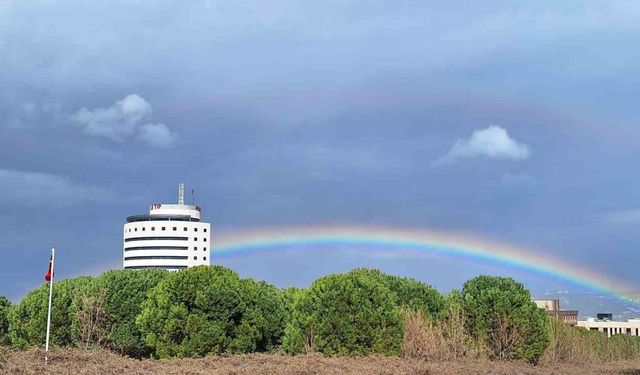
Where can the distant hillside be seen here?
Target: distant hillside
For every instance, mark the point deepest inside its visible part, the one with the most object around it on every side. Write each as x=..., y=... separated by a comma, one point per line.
x=589, y=304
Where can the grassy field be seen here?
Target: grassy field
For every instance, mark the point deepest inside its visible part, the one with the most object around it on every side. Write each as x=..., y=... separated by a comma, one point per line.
x=78, y=362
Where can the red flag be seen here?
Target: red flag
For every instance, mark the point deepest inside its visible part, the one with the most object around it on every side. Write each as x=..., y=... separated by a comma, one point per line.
x=47, y=276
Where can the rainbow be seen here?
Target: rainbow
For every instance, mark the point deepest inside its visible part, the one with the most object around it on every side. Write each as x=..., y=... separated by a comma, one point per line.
x=411, y=241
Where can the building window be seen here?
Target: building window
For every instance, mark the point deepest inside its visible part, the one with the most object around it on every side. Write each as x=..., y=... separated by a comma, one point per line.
x=204, y=249
x=143, y=228
x=156, y=238
x=175, y=229
x=145, y=257
x=205, y=230
x=185, y=229
x=156, y=248
x=205, y=239
x=195, y=248
x=195, y=238
x=195, y=258
x=205, y=258
x=135, y=229
x=153, y=228
x=164, y=228
x=195, y=229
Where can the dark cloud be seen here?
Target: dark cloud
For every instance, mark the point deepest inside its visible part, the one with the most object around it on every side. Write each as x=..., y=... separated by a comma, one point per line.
x=308, y=113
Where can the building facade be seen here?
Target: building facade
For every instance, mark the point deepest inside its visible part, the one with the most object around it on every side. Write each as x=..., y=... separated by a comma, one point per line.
x=552, y=307
x=170, y=237
x=612, y=327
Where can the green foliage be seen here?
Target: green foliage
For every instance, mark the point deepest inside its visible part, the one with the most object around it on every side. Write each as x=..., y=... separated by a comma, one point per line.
x=205, y=310
x=126, y=290
x=348, y=314
x=5, y=305
x=28, y=319
x=501, y=314
x=409, y=293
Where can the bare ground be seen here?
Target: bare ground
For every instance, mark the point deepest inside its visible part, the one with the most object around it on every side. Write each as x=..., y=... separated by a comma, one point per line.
x=78, y=362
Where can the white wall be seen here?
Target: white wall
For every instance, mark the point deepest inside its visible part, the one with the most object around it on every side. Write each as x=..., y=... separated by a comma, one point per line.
x=198, y=236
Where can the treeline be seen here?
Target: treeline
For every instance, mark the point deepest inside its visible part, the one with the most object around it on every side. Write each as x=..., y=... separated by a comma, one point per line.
x=211, y=310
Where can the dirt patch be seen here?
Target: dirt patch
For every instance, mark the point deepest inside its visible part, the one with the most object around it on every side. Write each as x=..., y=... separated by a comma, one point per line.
x=100, y=362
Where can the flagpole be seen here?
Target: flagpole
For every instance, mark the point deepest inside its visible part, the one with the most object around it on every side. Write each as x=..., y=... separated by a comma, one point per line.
x=46, y=348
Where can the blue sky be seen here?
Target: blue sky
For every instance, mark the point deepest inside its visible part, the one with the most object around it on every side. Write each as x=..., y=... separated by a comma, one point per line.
x=508, y=119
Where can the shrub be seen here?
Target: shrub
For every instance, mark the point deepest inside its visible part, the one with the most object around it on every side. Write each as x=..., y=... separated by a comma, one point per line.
x=501, y=314
x=126, y=290
x=439, y=340
x=5, y=305
x=28, y=319
x=89, y=325
x=570, y=344
x=205, y=310
x=347, y=314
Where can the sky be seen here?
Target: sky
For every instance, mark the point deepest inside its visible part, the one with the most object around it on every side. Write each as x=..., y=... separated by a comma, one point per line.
x=511, y=120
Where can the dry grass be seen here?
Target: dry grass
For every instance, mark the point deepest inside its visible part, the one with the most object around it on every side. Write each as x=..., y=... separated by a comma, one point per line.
x=80, y=362
x=442, y=341
x=576, y=345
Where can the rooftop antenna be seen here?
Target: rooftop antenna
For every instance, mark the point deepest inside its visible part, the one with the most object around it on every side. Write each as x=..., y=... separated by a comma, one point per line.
x=181, y=194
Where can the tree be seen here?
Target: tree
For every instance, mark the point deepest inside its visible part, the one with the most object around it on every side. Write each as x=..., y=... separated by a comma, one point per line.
x=28, y=319
x=205, y=310
x=263, y=320
x=5, y=305
x=409, y=293
x=501, y=314
x=126, y=290
x=347, y=314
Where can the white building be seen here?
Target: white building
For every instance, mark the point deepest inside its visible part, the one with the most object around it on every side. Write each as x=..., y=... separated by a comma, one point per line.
x=612, y=327
x=171, y=237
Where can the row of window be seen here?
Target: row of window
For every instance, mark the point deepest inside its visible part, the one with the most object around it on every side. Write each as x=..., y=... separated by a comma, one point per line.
x=162, y=238
x=610, y=331
x=174, y=257
x=162, y=248
x=165, y=228
x=157, y=257
x=161, y=267
x=156, y=248
x=156, y=238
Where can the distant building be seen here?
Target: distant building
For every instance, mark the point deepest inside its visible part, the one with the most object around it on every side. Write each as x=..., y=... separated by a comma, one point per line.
x=552, y=306
x=610, y=327
x=170, y=237
x=604, y=316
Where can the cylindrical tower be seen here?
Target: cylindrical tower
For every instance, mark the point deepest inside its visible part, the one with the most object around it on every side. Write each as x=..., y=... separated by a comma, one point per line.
x=171, y=237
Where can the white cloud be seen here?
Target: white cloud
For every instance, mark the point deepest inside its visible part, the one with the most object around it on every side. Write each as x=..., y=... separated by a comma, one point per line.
x=124, y=119
x=156, y=135
x=44, y=190
x=493, y=142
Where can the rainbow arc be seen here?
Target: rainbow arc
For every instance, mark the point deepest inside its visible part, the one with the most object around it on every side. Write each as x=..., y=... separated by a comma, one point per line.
x=411, y=241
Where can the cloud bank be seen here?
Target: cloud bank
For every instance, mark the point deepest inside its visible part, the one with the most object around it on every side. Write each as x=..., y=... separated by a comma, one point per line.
x=493, y=142
x=124, y=120
x=44, y=190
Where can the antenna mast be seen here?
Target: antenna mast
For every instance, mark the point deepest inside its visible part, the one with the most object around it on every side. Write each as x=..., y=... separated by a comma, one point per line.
x=181, y=194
